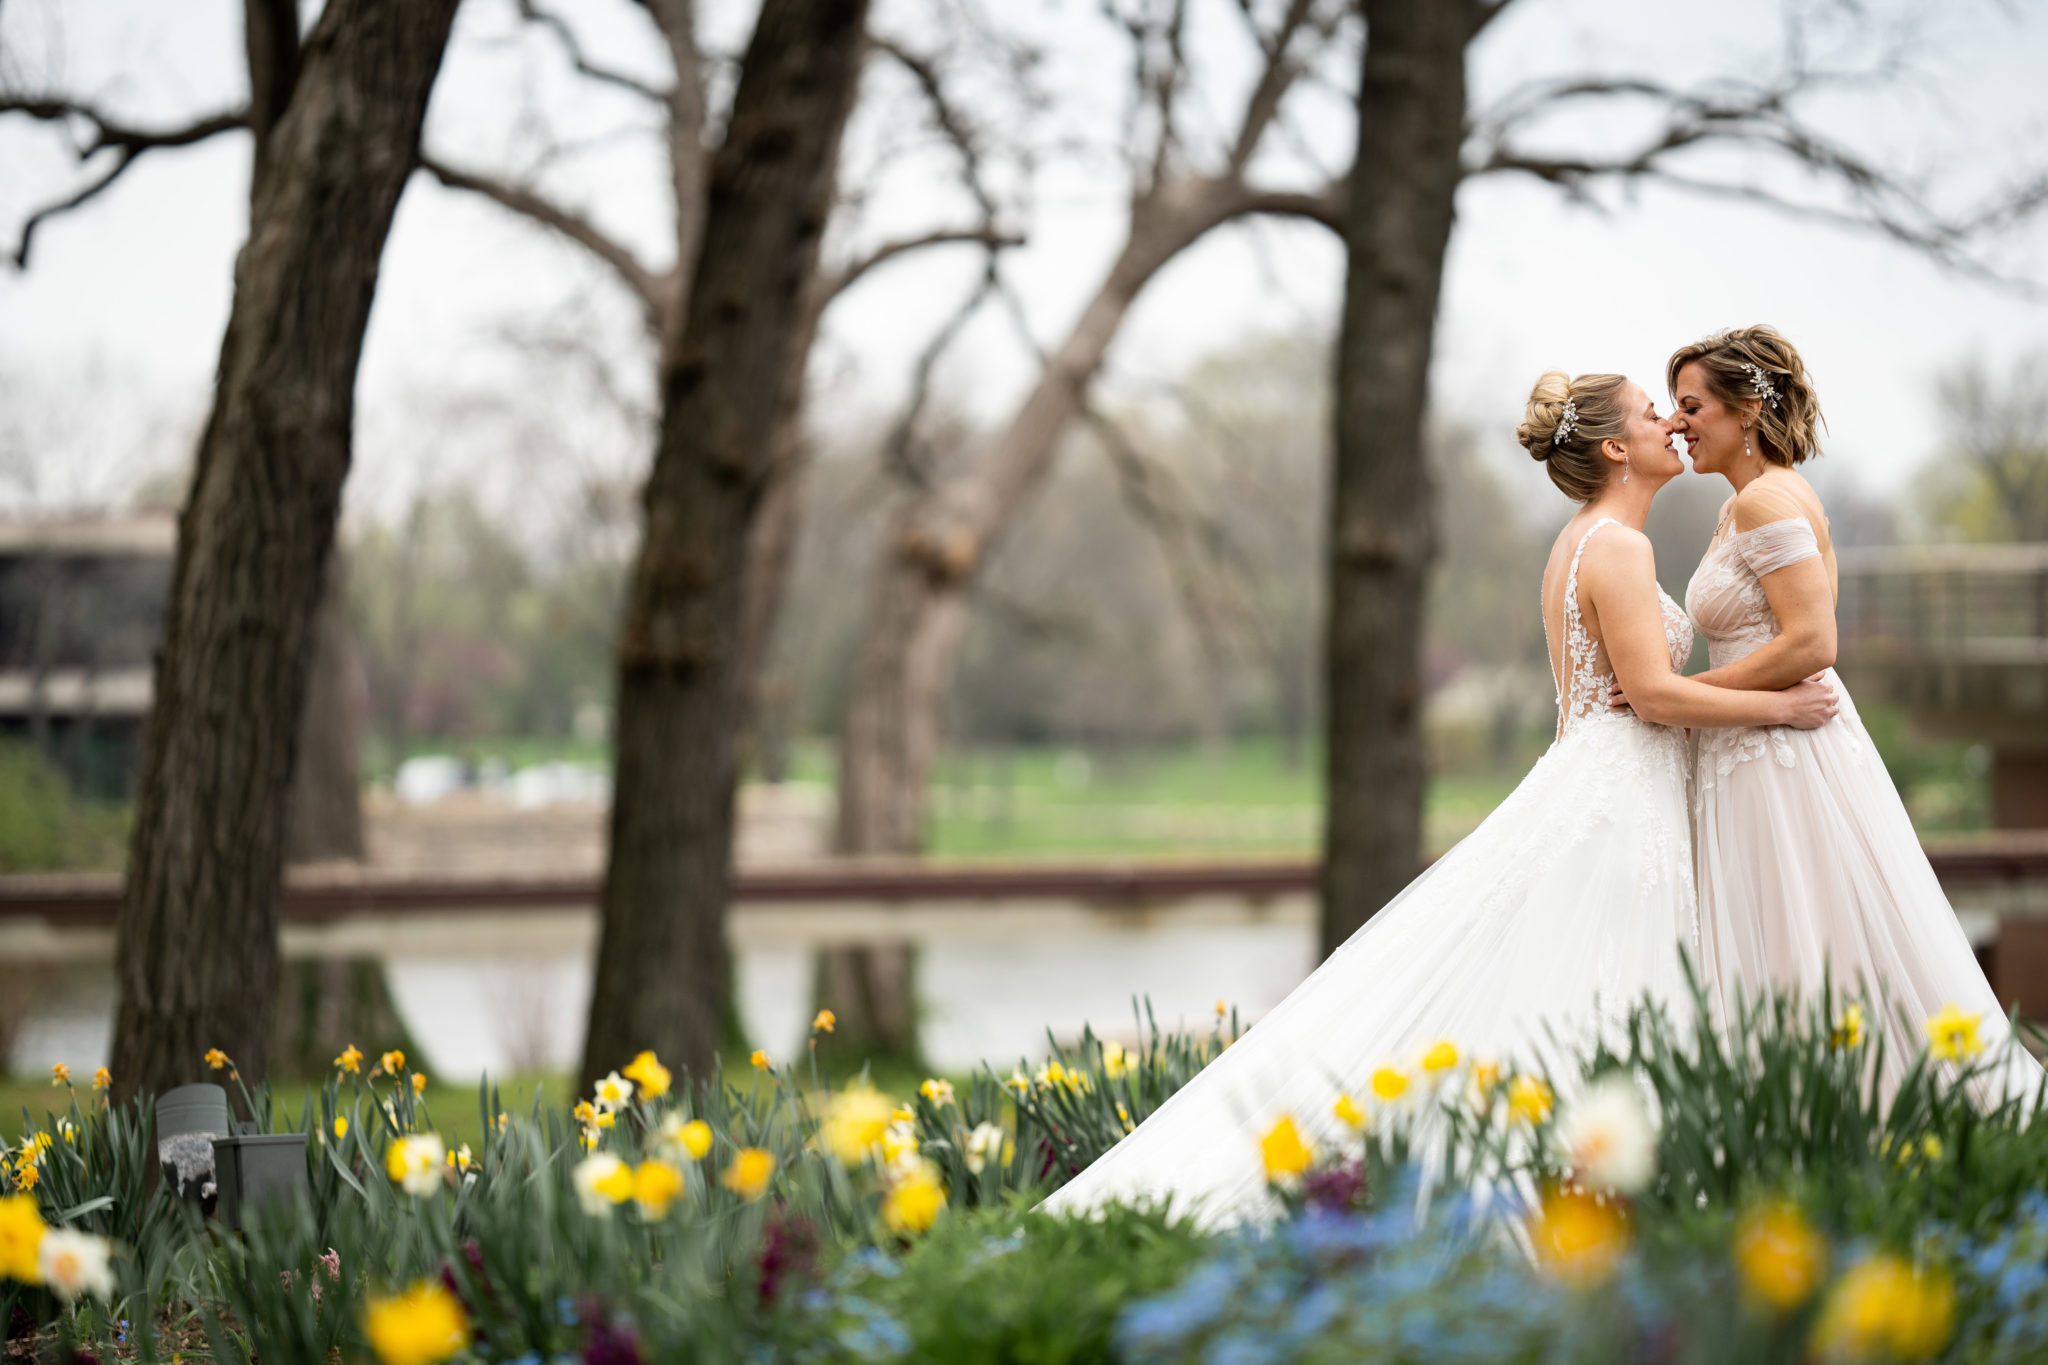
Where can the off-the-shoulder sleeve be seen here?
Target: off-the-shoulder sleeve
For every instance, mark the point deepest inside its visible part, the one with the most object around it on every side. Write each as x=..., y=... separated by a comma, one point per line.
x=1776, y=544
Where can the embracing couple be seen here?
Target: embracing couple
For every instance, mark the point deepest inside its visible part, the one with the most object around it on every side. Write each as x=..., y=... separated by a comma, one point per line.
x=1741, y=814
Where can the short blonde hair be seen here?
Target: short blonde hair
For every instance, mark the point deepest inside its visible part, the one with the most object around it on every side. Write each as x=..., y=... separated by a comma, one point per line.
x=1573, y=459
x=1738, y=364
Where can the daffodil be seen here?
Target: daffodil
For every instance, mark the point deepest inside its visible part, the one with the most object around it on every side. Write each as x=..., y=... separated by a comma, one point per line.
x=1389, y=1084
x=984, y=1142
x=1848, y=1031
x=341, y=1125
x=855, y=1120
x=419, y=1083
x=825, y=1022
x=1781, y=1259
x=102, y=1079
x=423, y=1326
x=1579, y=1238
x=655, y=1186
x=1284, y=1153
x=760, y=1061
x=74, y=1264
x=914, y=1200
x=1607, y=1136
x=392, y=1062
x=1885, y=1309
x=899, y=1143
x=1485, y=1077
x=414, y=1163
x=613, y=1091
x=602, y=1181
x=1115, y=1062
x=749, y=1173
x=60, y=1074
x=939, y=1092
x=21, y=1233
x=215, y=1058
x=1348, y=1113
x=691, y=1138
x=584, y=1113
x=1952, y=1035
x=350, y=1060
x=1018, y=1081
x=461, y=1160
x=647, y=1072
x=1529, y=1099
x=1441, y=1056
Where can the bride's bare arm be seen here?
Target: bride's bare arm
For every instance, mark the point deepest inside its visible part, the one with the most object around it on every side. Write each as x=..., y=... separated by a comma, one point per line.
x=1618, y=581
x=1800, y=598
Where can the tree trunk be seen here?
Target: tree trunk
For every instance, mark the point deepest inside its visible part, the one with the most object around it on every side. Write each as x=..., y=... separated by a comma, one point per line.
x=197, y=949
x=1411, y=110
x=325, y=818
x=661, y=965
x=943, y=537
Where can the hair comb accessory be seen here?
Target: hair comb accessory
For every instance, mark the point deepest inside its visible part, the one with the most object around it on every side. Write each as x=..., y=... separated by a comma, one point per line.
x=1567, y=423
x=1761, y=382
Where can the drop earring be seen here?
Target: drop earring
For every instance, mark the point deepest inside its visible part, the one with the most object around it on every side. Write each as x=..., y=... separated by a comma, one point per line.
x=1745, y=442
x=1625, y=467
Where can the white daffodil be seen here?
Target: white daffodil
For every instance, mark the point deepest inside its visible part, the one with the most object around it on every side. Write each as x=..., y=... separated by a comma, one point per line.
x=1607, y=1135
x=614, y=1092
x=984, y=1144
x=75, y=1263
x=602, y=1183
x=415, y=1162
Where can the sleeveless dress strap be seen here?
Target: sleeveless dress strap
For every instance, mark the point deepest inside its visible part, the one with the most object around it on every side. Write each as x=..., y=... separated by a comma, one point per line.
x=1576, y=644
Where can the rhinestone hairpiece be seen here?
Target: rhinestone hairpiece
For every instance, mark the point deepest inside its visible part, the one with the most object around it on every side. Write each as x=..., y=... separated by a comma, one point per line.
x=1761, y=382
x=1567, y=423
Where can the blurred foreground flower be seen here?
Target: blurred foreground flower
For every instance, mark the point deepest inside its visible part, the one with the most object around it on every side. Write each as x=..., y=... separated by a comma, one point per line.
x=613, y=1092
x=602, y=1181
x=350, y=1060
x=1952, y=1035
x=422, y=1326
x=1781, y=1258
x=1579, y=1238
x=1442, y=1056
x=1286, y=1156
x=21, y=1233
x=647, y=1072
x=1884, y=1309
x=1607, y=1136
x=855, y=1120
x=939, y=1092
x=1347, y=1111
x=692, y=1139
x=392, y=1062
x=73, y=1264
x=414, y=1163
x=102, y=1079
x=914, y=1200
x=655, y=1186
x=749, y=1173
x=1389, y=1084
x=1848, y=1031
x=985, y=1142
x=1529, y=1099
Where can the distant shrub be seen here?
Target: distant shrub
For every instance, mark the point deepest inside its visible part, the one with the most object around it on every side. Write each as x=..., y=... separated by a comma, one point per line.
x=44, y=827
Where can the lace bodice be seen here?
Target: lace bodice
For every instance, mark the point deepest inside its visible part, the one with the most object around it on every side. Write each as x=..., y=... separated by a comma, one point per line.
x=1582, y=693
x=1727, y=604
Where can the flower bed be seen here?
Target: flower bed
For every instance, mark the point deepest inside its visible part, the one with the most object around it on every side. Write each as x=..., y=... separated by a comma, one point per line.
x=1691, y=1197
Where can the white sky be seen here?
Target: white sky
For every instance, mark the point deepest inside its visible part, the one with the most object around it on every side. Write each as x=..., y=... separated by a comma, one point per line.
x=108, y=341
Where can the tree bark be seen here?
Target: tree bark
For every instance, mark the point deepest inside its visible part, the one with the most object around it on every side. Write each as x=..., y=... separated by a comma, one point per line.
x=1411, y=110
x=661, y=967
x=197, y=948
x=325, y=818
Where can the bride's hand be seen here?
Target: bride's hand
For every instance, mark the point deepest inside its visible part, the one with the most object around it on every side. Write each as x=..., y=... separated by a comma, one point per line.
x=1617, y=700
x=1810, y=704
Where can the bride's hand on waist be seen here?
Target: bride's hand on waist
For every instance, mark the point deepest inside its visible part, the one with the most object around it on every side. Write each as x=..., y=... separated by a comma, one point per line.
x=1617, y=699
x=1810, y=704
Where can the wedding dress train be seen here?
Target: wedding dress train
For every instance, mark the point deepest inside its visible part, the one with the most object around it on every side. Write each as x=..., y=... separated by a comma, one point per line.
x=1560, y=911
x=1807, y=860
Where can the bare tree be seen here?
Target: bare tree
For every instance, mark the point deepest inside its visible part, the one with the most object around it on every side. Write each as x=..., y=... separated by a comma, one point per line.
x=661, y=962
x=1417, y=142
x=1993, y=482
x=336, y=121
x=955, y=516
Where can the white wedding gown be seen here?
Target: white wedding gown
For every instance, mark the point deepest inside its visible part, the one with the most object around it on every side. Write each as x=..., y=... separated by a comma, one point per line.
x=1807, y=859
x=1559, y=912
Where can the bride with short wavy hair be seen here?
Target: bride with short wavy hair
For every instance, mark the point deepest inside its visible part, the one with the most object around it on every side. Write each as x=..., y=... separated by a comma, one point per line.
x=1567, y=905
x=1807, y=862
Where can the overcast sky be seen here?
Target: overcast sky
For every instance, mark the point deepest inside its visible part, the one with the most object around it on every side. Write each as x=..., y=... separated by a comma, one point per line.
x=108, y=341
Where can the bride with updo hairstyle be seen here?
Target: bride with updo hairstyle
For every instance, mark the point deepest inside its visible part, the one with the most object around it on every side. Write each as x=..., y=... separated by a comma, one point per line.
x=1569, y=904
x=1808, y=868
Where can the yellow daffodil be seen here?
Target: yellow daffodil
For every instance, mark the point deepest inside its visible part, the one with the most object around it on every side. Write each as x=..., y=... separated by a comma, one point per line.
x=67, y=1130
x=350, y=1060
x=655, y=1186
x=21, y=1236
x=606, y=1118
x=1781, y=1258
x=26, y=1175
x=1579, y=1239
x=341, y=1125
x=1485, y=1076
x=423, y=1326
x=825, y=1022
x=502, y=1120
x=694, y=1138
x=1952, y=1035
x=1115, y=1062
x=584, y=1113
x=414, y=1163
x=215, y=1058
x=1348, y=1113
x=419, y=1083
x=60, y=1074
x=647, y=1072
x=760, y=1061
x=1848, y=1031
x=461, y=1160
x=1886, y=1309
x=939, y=1092
x=1442, y=1056
x=749, y=1173
x=102, y=1079
x=587, y=1139
x=392, y=1062
x=1018, y=1081
x=602, y=1181
x=1283, y=1151
x=1389, y=1084
x=1931, y=1148
x=1529, y=1099
x=1221, y=1009
x=914, y=1200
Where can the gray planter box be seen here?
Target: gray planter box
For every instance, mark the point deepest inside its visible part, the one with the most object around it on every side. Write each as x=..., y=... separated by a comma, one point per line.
x=187, y=1120
x=251, y=1168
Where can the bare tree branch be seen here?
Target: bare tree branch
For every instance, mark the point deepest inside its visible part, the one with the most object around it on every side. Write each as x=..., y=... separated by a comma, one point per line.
x=109, y=134
x=1325, y=206
x=531, y=11
x=831, y=284
x=951, y=121
x=649, y=288
x=1279, y=74
x=898, y=450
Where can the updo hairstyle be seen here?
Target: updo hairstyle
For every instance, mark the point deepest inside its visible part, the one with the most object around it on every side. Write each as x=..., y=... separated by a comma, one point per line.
x=1785, y=424
x=1574, y=459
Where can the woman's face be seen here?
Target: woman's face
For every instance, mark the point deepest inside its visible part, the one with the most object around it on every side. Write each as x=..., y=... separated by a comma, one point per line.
x=1647, y=441
x=1712, y=429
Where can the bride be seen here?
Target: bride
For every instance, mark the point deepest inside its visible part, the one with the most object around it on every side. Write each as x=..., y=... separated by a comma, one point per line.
x=1807, y=861
x=1566, y=905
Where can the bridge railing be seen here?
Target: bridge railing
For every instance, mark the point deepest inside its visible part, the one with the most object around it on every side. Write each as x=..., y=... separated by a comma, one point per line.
x=1973, y=605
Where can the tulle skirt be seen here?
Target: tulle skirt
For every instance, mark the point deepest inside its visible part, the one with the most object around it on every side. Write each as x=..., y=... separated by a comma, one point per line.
x=1540, y=929
x=1808, y=864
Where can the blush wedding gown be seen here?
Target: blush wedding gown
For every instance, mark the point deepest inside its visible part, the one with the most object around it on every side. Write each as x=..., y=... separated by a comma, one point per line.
x=1564, y=908
x=1807, y=861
